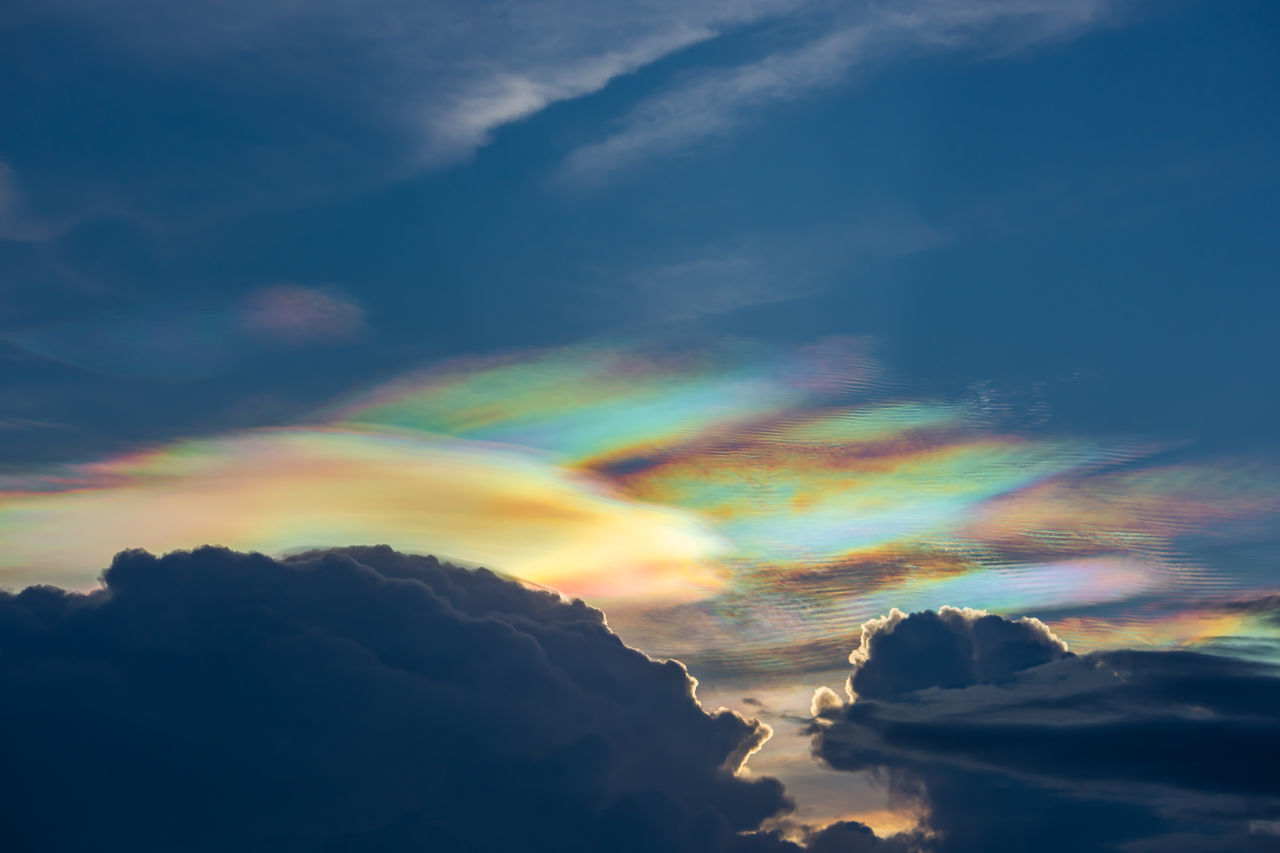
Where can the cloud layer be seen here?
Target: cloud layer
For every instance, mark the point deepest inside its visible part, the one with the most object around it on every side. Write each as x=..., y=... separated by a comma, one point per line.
x=996, y=732
x=353, y=700
x=842, y=494
x=364, y=699
x=770, y=500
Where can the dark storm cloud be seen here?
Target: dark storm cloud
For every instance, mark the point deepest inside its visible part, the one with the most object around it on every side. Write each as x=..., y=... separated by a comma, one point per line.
x=353, y=700
x=1005, y=738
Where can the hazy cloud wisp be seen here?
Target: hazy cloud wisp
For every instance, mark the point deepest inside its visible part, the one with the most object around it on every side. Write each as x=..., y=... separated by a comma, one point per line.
x=712, y=104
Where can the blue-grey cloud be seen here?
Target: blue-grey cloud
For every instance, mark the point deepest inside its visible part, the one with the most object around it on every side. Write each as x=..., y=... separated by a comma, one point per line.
x=353, y=700
x=999, y=733
x=901, y=653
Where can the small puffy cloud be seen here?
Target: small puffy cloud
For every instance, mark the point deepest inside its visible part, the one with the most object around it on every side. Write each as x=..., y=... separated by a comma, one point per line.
x=350, y=700
x=996, y=732
x=296, y=314
x=825, y=700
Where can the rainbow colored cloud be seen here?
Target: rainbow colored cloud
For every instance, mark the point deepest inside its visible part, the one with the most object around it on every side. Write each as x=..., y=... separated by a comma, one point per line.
x=291, y=489
x=729, y=503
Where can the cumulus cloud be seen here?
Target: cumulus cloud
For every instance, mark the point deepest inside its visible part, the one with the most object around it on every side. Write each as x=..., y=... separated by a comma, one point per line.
x=952, y=647
x=354, y=700
x=997, y=732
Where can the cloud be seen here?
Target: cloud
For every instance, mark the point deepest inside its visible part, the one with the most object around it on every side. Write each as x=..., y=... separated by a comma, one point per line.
x=450, y=74
x=432, y=82
x=353, y=700
x=1265, y=606
x=277, y=490
x=997, y=732
x=770, y=499
x=297, y=314
x=849, y=836
x=899, y=654
x=716, y=102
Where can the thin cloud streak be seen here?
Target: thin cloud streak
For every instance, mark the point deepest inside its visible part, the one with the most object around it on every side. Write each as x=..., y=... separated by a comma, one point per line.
x=717, y=102
x=451, y=74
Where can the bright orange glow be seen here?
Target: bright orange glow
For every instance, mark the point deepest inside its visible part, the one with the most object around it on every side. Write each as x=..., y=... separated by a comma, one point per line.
x=274, y=491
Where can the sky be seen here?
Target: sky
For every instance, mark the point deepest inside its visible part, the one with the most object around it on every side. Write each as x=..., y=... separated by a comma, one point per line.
x=745, y=322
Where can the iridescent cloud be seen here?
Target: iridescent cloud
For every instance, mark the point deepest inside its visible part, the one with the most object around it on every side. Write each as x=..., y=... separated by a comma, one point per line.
x=840, y=497
x=281, y=490
x=590, y=404
x=734, y=505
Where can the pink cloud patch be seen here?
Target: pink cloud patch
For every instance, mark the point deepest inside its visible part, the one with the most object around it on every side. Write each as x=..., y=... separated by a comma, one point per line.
x=297, y=314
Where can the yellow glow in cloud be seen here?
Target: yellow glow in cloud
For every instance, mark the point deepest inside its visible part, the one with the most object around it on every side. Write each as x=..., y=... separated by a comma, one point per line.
x=279, y=490
x=1189, y=627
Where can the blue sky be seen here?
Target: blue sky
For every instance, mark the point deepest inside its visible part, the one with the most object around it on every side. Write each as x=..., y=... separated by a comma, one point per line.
x=1066, y=201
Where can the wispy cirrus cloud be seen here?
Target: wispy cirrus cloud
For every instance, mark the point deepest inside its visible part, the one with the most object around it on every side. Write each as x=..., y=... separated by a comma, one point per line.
x=712, y=104
x=449, y=73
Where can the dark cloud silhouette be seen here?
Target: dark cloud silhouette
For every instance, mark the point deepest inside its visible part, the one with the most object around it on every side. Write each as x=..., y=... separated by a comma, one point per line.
x=950, y=648
x=849, y=836
x=354, y=700
x=1010, y=742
